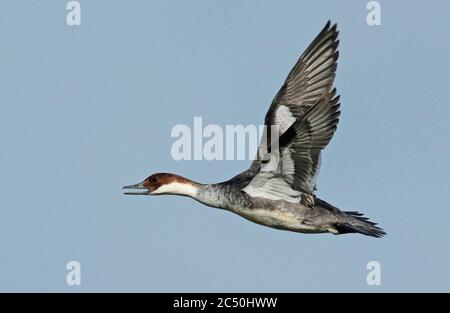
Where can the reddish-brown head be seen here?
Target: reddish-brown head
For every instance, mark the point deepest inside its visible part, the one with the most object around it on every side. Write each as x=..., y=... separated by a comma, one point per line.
x=164, y=183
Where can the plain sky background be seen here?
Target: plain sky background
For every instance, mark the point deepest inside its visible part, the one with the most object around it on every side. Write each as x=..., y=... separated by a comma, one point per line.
x=85, y=110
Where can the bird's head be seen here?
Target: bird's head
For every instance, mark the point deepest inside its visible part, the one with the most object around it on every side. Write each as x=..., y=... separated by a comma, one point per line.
x=164, y=184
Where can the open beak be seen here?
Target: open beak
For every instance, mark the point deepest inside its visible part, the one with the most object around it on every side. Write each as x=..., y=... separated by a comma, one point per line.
x=137, y=186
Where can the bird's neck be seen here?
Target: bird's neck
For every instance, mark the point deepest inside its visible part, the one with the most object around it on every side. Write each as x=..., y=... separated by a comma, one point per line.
x=213, y=195
x=208, y=194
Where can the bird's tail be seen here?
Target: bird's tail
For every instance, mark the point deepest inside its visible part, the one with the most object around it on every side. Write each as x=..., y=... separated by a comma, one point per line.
x=352, y=222
x=355, y=222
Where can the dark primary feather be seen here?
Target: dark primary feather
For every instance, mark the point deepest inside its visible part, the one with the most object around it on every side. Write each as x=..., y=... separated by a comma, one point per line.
x=310, y=78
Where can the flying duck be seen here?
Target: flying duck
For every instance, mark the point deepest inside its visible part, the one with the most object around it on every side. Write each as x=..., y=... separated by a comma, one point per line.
x=278, y=190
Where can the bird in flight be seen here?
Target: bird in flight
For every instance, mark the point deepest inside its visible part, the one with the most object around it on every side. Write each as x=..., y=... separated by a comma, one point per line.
x=278, y=190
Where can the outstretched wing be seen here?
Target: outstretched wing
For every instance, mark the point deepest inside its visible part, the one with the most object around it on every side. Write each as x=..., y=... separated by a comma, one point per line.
x=299, y=148
x=310, y=78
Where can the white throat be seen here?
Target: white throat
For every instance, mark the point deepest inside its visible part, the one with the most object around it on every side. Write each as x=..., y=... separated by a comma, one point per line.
x=177, y=188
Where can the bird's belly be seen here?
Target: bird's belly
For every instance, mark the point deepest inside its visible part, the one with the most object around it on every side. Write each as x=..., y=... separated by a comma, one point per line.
x=286, y=220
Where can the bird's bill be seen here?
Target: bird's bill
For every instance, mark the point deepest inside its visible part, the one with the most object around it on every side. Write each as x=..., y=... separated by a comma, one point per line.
x=136, y=186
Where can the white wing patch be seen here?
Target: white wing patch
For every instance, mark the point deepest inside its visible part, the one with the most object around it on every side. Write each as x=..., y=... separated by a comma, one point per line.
x=265, y=185
x=283, y=118
x=287, y=167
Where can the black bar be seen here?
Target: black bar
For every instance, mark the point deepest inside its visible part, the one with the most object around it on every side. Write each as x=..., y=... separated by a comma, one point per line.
x=227, y=302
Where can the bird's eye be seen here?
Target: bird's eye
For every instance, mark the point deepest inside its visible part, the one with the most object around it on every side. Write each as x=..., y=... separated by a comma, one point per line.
x=154, y=179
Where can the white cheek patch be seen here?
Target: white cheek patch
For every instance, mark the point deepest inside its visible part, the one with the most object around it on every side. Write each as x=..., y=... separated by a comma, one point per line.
x=177, y=189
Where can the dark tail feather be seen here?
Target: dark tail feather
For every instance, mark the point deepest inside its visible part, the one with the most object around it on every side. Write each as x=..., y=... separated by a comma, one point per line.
x=352, y=221
x=355, y=222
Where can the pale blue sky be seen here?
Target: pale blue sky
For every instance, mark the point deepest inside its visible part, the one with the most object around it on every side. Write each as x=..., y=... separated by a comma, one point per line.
x=85, y=110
